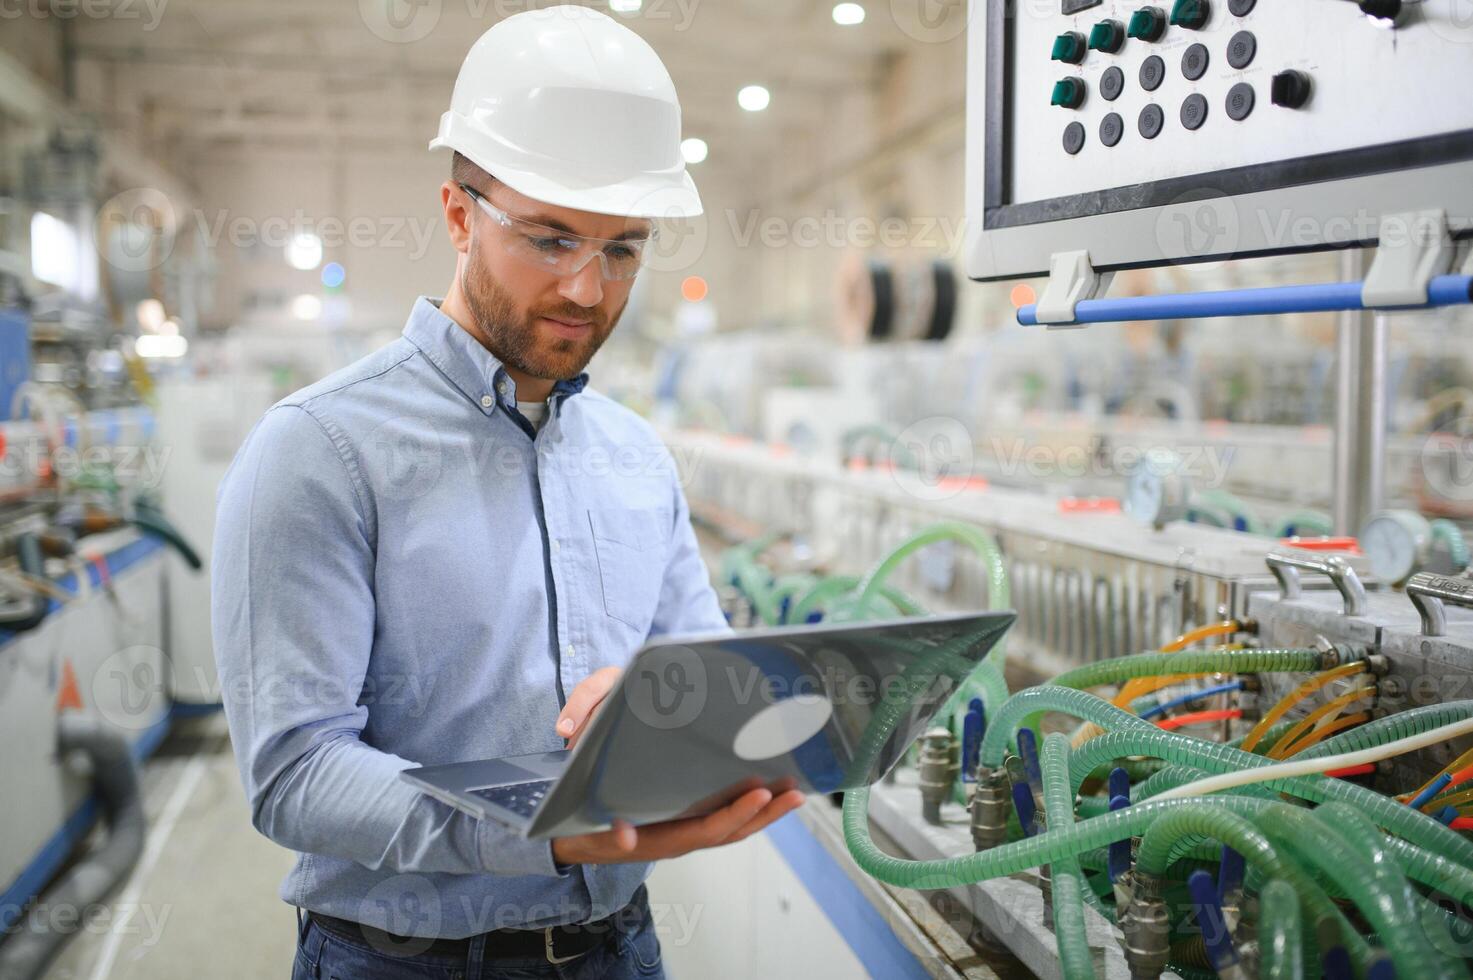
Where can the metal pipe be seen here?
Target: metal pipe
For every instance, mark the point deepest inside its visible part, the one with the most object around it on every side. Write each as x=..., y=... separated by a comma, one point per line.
x=1327, y=297
x=115, y=779
x=1358, y=472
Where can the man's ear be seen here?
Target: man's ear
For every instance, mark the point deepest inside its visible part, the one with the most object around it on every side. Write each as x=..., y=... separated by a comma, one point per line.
x=456, y=206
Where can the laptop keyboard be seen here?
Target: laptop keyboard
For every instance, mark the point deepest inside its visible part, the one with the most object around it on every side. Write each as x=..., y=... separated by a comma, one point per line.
x=520, y=798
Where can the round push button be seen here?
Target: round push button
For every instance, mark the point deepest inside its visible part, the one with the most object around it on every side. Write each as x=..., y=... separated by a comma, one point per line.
x=1194, y=111
x=1241, y=49
x=1240, y=100
x=1112, y=127
x=1150, y=121
x=1153, y=73
x=1194, y=61
x=1112, y=83
x=1073, y=138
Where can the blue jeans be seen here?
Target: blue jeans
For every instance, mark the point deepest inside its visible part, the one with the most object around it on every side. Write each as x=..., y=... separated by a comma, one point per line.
x=630, y=953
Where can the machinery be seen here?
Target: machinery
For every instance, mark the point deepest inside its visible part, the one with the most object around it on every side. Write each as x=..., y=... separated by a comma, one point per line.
x=1194, y=130
x=1269, y=652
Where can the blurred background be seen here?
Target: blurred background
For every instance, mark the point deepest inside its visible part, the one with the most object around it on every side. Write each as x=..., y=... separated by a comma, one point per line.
x=205, y=205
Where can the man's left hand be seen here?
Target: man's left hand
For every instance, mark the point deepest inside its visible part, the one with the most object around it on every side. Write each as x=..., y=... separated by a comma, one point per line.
x=572, y=721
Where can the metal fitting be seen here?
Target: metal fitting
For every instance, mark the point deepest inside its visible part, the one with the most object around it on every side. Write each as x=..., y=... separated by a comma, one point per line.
x=1145, y=925
x=1335, y=654
x=1379, y=665
x=991, y=801
x=938, y=768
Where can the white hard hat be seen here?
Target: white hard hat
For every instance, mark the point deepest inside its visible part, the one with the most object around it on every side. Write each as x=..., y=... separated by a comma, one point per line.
x=573, y=109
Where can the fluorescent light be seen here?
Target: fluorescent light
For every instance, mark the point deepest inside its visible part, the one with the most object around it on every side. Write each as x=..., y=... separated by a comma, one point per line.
x=54, y=252
x=304, y=251
x=307, y=307
x=848, y=14
x=160, y=345
x=694, y=150
x=754, y=98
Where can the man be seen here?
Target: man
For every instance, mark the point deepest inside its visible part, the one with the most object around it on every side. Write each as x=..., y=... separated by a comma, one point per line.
x=448, y=550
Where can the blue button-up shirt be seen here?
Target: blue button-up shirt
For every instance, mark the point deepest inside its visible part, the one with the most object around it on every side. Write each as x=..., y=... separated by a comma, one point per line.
x=406, y=573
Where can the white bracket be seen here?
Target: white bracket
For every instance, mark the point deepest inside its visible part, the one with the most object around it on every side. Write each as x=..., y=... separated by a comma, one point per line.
x=1414, y=246
x=1071, y=278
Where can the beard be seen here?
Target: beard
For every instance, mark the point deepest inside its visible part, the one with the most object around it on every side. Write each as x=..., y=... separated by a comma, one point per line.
x=513, y=336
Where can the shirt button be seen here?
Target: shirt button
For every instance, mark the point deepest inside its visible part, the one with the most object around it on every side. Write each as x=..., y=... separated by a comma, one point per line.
x=569, y=649
x=487, y=401
x=501, y=387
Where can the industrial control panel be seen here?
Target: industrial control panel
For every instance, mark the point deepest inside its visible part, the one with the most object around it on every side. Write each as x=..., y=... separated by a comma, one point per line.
x=1189, y=130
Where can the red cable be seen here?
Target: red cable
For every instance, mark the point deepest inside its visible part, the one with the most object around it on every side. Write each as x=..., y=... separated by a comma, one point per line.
x=1199, y=717
x=1462, y=823
x=1362, y=770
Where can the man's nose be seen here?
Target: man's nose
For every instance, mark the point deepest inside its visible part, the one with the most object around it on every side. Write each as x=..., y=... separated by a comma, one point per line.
x=586, y=286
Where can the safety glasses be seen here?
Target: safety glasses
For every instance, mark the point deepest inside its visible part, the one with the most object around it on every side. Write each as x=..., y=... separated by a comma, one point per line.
x=561, y=251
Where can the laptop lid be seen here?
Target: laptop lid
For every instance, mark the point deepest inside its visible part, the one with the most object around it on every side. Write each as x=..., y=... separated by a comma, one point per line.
x=697, y=721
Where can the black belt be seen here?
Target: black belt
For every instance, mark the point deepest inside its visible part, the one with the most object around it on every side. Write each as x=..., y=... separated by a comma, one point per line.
x=557, y=944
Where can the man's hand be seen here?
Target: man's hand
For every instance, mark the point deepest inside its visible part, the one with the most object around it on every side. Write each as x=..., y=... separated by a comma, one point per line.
x=748, y=814
x=588, y=695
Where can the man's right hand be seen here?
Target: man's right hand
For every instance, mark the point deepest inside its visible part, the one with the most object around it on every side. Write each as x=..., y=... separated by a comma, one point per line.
x=739, y=819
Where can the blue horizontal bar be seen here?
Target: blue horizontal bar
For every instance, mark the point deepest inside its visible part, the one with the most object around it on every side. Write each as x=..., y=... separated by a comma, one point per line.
x=1315, y=298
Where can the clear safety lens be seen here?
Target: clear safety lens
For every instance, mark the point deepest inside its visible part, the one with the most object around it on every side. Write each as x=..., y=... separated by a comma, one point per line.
x=563, y=252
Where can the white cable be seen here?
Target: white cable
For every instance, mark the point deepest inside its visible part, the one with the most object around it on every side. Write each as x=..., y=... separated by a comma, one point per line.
x=1306, y=767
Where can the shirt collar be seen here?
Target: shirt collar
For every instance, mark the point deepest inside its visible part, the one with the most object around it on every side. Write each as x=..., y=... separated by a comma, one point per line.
x=473, y=369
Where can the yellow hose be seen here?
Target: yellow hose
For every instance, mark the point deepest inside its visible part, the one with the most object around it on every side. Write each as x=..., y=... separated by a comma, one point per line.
x=1333, y=728
x=1294, y=697
x=1286, y=747
x=1461, y=762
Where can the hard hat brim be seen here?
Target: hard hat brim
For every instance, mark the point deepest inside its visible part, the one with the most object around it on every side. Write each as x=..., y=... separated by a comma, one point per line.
x=662, y=195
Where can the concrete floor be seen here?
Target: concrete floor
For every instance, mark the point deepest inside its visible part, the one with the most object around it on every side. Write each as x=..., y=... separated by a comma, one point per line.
x=202, y=901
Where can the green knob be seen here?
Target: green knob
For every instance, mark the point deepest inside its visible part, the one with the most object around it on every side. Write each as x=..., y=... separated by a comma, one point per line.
x=1068, y=92
x=1147, y=24
x=1191, y=14
x=1069, y=47
x=1107, y=36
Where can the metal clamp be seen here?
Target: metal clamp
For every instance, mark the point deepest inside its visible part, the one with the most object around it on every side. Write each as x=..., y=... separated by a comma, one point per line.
x=1428, y=592
x=1286, y=569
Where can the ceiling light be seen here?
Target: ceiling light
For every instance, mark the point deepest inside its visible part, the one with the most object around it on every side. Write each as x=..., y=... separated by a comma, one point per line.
x=694, y=150
x=754, y=98
x=625, y=6
x=848, y=14
x=304, y=251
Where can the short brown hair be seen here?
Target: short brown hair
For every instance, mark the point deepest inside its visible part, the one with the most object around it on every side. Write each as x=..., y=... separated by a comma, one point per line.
x=464, y=171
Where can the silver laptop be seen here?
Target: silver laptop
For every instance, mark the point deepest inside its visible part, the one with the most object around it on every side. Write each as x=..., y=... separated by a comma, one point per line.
x=696, y=722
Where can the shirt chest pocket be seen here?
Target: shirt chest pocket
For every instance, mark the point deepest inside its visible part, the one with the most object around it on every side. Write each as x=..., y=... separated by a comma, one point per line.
x=631, y=545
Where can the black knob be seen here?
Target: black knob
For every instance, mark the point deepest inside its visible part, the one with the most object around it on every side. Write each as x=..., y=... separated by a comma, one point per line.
x=1191, y=14
x=1147, y=24
x=1290, y=89
x=1384, y=9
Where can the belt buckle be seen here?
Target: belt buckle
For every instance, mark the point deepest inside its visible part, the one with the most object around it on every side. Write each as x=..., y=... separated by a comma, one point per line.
x=551, y=952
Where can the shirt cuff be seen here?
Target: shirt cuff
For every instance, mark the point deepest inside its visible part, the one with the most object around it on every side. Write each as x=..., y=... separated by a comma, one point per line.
x=504, y=853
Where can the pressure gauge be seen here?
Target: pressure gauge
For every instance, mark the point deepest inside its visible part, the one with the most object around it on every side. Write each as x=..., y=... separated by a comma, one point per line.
x=1156, y=492
x=1398, y=542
